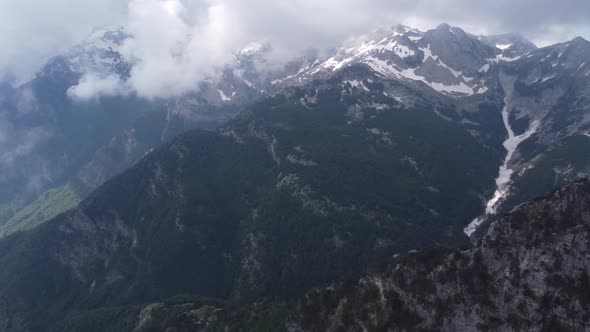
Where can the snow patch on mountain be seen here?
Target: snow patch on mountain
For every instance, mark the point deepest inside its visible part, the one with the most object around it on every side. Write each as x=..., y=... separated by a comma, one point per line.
x=357, y=84
x=505, y=173
x=503, y=47
x=503, y=58
x=223, y=96
x=391, y=71
x=252, y=48
x=484, y=68
x=428, y=53
x=100, y=52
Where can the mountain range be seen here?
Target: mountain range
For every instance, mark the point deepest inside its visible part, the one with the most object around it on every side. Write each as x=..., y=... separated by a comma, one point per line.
x=264, y=183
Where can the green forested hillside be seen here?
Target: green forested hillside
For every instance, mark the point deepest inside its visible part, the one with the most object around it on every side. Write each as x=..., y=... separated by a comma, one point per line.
x=285, y=197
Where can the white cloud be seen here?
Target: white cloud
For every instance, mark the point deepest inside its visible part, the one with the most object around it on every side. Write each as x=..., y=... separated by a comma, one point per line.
x=171, y=60
x=179, y=43
x=93, y=86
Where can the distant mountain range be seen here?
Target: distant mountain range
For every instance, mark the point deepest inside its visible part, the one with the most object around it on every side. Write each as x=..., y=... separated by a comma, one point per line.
x=263, y=183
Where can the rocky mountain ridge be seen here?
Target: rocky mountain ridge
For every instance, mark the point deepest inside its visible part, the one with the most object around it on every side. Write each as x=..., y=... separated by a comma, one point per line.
x=530, y=272
x=546, y=106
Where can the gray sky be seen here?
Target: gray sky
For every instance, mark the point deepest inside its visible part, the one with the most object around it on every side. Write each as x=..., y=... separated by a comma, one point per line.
x=33, y=30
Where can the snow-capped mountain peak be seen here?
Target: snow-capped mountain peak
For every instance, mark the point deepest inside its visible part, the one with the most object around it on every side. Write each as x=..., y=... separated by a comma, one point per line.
x=509, y=47
x=110, y=36
x=254, y=48
x=100, y=52
x=403, y=53
x=411, y=33
x=550, y=63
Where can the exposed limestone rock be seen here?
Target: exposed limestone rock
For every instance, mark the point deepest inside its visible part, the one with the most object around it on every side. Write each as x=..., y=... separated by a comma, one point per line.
x=530, y=272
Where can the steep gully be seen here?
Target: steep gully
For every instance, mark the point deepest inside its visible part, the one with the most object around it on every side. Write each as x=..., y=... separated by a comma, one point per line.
x=505, y=173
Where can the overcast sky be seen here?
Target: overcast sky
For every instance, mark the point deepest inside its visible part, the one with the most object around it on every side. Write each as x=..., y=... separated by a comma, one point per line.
x=33, y=30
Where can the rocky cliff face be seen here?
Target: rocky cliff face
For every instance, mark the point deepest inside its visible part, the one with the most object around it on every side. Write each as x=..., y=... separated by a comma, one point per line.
x=530, y=272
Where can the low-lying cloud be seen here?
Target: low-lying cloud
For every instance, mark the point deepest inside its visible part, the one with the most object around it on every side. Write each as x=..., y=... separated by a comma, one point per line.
x=96, y=85
x=177, y=44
